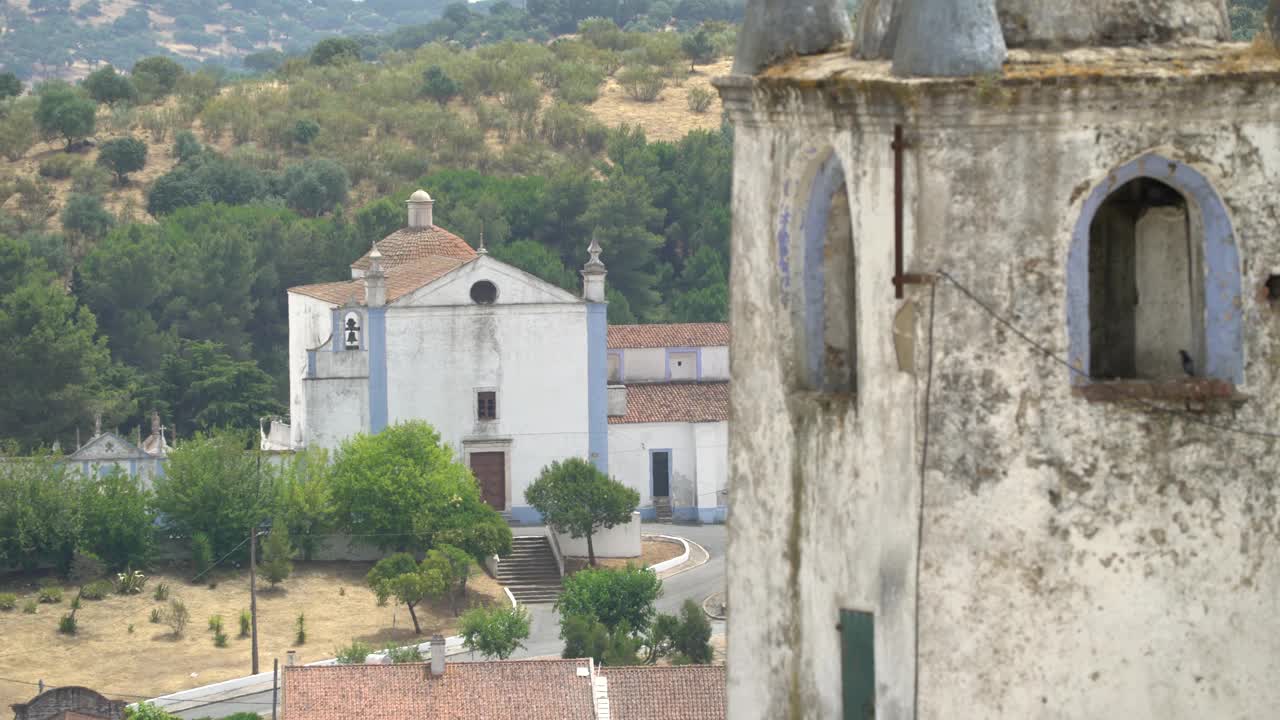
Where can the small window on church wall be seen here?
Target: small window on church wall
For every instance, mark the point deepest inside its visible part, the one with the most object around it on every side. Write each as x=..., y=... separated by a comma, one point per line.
x=838, y=367
x=1146, y=287
x=484, y=292
x=351, y=331
x=487, y=405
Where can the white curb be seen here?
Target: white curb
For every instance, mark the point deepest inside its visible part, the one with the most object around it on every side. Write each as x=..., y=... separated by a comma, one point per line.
x=678, y=560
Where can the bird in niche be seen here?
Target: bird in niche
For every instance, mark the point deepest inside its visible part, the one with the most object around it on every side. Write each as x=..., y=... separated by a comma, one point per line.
x=1188, y=365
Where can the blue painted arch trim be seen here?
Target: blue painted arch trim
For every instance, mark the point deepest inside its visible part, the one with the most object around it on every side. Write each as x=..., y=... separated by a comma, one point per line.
x=1223, y=311
x=830, y=176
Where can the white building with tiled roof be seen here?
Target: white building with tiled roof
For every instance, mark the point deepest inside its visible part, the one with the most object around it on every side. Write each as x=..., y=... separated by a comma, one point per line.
x=513, y=371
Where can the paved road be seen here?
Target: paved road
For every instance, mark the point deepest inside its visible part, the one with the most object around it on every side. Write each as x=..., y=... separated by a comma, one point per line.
x=544, y=631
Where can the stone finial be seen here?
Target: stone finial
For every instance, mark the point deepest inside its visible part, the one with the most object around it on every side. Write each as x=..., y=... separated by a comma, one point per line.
x=593, y=273
x=155, y=422
x=375, y=280
x=774, y=29
x=949, y=38
x=97, y=424
x=481, y=250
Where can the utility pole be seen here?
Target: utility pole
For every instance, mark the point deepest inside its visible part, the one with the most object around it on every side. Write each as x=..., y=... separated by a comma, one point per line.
x=253, y=591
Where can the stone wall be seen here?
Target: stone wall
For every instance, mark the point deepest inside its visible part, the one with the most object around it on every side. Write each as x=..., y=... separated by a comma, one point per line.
x=1071, y=559
x=53, y=703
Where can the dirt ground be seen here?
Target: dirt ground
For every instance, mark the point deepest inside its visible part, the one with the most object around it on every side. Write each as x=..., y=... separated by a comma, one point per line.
x=117, y=650
x=652, y=552
x=668, y=117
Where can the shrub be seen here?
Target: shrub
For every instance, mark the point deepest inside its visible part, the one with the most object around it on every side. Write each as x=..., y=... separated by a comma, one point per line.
x=246, y=622
x=129, y=629
x=700, y=99
x=85, y=216
x=29, y=607
x=59, y=167
x=408, y=654
x=219, y=638
x=495, y=632
x=162, y=592
x=89, y=179
x=613, y=597
x=123, y=156
x=215, y=623
x=105, y=85
x=67, y=624
x=130, y=582
x=177, y=617
x=201, y=553
x=96, y=590
x=642, y=84
x=157, y=616
x=300, y=630
x=8, y=601
x=353, y=654
x=304, y=131
x=277, y=554
x=186, y=146
x=50, y=594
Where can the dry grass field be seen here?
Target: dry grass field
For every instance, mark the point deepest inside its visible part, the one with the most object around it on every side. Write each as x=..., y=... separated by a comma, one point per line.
x=668, y=117
x=117, y=650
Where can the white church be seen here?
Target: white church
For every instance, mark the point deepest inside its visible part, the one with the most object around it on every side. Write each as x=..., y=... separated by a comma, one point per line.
x=514, y=372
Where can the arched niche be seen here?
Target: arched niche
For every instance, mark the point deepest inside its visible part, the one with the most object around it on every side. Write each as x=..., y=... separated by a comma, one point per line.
x=1147, y=224
x=829, y=352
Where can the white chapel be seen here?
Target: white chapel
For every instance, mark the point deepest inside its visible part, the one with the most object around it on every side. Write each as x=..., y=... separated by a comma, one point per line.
x=514, y=373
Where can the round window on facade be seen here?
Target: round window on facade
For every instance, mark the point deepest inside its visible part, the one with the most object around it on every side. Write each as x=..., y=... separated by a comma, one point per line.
x=484, y=292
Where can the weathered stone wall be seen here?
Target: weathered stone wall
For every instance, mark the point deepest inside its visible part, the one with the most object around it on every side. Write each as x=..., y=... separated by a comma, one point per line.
x=53, y=703
x=1079, y=560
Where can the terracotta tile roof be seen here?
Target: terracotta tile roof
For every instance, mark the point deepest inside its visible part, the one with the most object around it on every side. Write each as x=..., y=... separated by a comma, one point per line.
x=675, y=402
x=401, y=281
x=408, y=245
x=689, y=692
x=669, y=335
x=506, y=690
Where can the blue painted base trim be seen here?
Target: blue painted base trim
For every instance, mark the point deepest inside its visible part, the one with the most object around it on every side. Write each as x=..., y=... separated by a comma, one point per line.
x=684, y=514
x=526, y=515
x=713, y=515
x=648, y=514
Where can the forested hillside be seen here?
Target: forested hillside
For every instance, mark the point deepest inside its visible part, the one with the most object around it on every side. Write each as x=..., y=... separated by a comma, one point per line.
x=147, y=267
x=41, y=39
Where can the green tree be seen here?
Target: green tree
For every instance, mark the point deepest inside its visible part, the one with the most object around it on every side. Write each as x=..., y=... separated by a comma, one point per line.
x=305, y=131
x=119, y=519
x=495, y=632
x=53, y=368
x=575, y=497
x=156, y=77
x=314, y=186
x=264, y=60
x=453, y=564
x=186, y=146
x=401, y=577
x=584, y=636
x=537, y=259
x=213, y=485
x=10, y=85
x=84, y=216
x=18, y=129
x=614, y=597
x=335, y=51
x=205, y=388
x=438, y=86
x=404, y=488
x=698, y=47
x=689, y=634
x=146, y=711
x=105, y=85
x=624, y=213
x=277, y=554
x=40, y=519
x=123, y=156
x=63, y=112
x=304, y=503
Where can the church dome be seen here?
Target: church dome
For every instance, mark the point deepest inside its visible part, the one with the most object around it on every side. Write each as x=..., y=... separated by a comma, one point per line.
x=420, y=196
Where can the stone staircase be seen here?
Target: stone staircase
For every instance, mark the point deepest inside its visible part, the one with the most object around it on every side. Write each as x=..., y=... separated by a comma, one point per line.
x=662, y=506
x=530, y=571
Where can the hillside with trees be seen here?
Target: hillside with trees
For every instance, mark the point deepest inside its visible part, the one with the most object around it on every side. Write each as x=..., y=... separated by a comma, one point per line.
x=151, y=217
x=43, y=39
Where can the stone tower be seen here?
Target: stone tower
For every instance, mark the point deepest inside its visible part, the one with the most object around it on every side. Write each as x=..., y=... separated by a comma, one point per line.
x=1004, y=363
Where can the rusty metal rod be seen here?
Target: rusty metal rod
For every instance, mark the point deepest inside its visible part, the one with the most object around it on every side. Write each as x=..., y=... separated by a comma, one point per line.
x=898, y=146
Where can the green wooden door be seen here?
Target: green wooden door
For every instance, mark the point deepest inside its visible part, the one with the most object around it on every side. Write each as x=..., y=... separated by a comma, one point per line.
x=858, y=664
